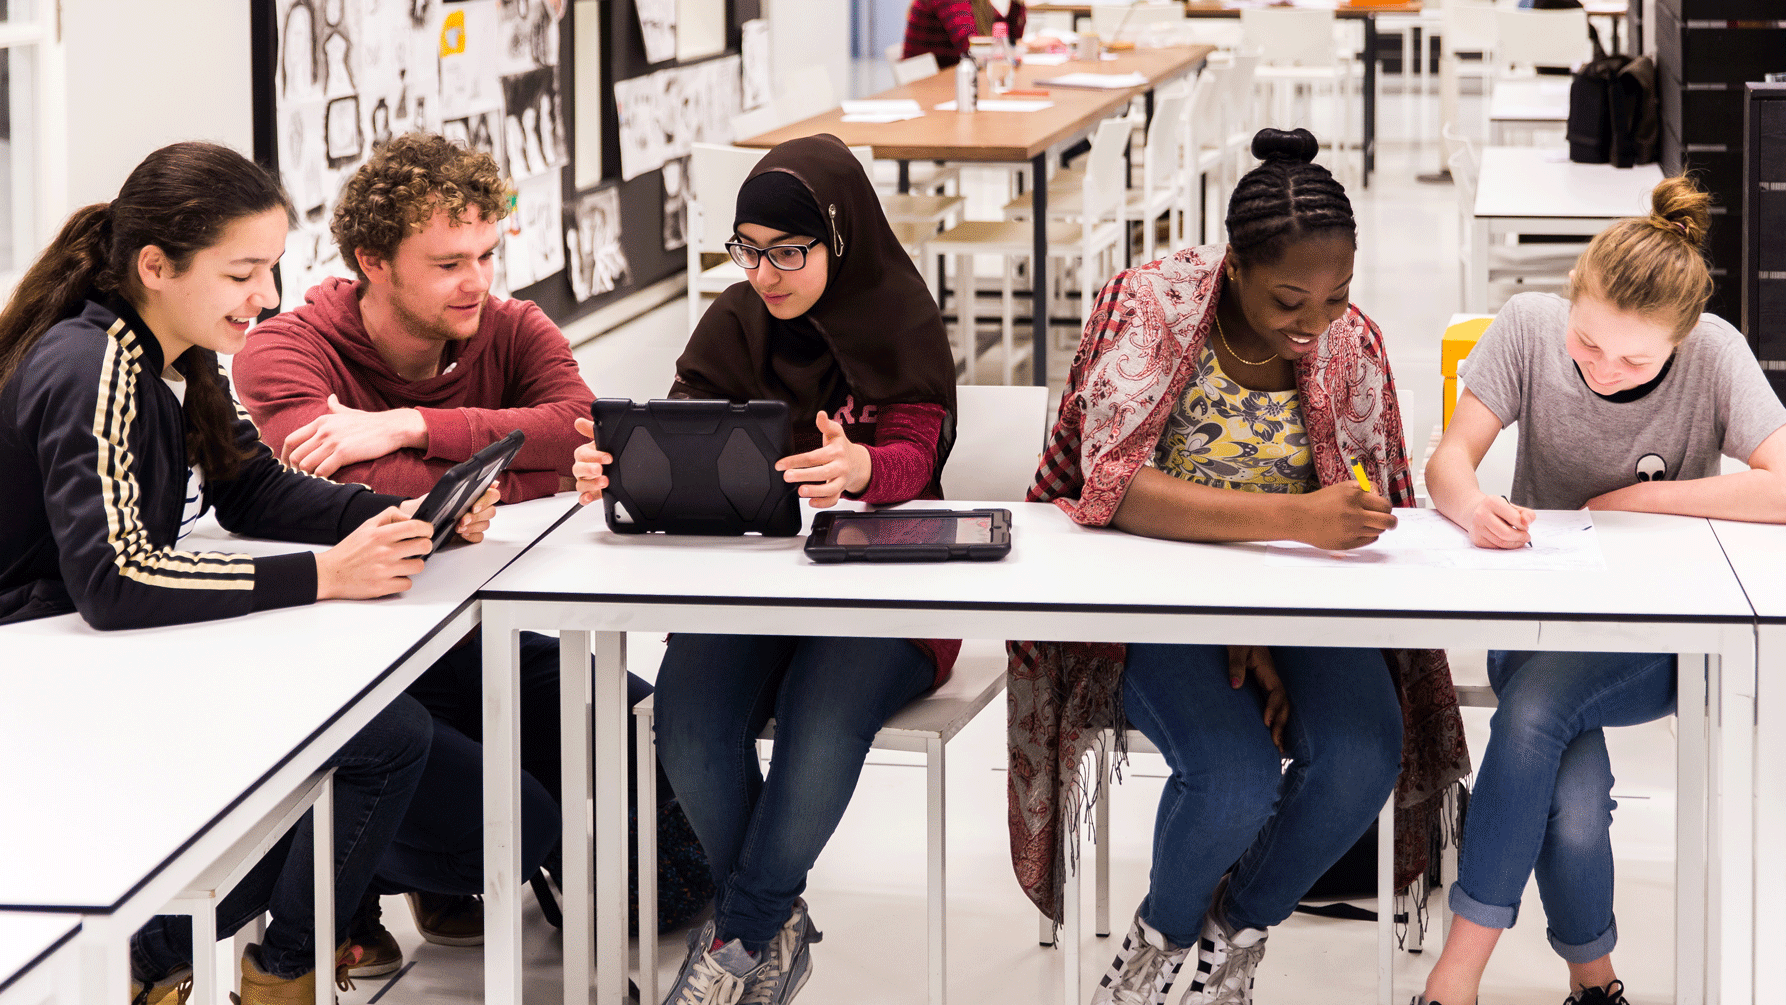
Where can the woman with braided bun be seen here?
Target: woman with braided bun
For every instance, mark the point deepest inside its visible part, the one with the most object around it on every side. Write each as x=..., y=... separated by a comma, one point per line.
x=1223, y=394
x=1626, y=395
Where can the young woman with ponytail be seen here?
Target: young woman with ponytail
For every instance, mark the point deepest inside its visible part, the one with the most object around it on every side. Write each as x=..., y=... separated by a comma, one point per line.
x=1223, y=394
x=118, y=430
x=1626, y=395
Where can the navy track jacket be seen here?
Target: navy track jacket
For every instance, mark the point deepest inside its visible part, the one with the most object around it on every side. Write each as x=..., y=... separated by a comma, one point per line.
x=93, y=478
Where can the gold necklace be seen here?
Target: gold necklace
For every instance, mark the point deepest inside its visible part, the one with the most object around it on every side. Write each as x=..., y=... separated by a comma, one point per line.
x=1237, y=356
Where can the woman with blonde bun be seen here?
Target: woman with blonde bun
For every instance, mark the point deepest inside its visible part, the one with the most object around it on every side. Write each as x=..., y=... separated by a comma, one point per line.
x=1626, y=395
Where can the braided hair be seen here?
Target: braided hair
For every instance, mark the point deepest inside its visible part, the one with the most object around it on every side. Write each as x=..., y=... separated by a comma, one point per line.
x=1287, y=197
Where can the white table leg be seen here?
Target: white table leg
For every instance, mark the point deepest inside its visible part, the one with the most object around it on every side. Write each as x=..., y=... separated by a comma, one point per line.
x=1476, y=287
x=577, y=885
x=647, y=789
x=1770, y=803
x=1733, y=825
x=103, y=951
x=322, y=877
x=936, y=865
x=204, y=953
x=609, y=724
x=1386, y=903
x=502, y=807
x=1690, y=815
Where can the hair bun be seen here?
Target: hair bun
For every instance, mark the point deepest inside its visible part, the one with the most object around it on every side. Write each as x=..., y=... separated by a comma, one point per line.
x=1678, y=205
x=1285, y=145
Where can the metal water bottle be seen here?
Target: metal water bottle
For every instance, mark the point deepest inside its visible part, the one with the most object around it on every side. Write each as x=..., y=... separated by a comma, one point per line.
x=967, y=85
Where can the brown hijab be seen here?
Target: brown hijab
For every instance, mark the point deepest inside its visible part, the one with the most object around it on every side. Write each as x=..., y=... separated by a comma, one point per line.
x=875, y=331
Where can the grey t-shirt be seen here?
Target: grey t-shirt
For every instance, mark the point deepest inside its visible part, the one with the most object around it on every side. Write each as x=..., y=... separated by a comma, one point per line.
x=1575, y=445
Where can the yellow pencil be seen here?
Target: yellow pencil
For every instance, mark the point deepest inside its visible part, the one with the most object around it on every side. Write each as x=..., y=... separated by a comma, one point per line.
x=1358, y=473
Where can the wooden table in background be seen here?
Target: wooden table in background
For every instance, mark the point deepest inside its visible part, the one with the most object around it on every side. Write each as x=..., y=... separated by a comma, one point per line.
x=1003, y=137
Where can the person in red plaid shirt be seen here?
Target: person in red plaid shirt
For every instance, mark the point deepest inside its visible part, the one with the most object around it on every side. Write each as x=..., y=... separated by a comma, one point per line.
x=1224, y=394
x=944, y=26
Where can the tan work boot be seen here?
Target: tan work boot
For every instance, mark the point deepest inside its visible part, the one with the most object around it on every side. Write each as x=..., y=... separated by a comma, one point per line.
x=173, y=989
x=262, y=988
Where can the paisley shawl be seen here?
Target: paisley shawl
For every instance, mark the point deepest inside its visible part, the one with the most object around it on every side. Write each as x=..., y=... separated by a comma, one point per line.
x=1138, y=352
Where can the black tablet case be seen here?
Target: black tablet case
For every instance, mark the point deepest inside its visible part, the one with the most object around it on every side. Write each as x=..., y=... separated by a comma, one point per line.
x=697, y=467
x=458, y=490
x=916, y=550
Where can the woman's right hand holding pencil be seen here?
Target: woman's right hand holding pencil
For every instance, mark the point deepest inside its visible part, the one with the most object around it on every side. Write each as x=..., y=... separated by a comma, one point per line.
x=1497, y=523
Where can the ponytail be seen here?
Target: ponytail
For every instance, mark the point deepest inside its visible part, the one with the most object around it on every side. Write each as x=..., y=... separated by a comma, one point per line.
x=57, y=283
x=1654, y=265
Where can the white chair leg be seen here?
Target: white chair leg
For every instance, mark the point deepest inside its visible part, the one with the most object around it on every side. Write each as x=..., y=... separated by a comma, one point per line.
x=322, y=821
x=1101, y=841
x=645, y=727
x=1386, y=903
x=936, y=855
x=1008, y=318
x=1044, y=930
x=964, y=315
x=204, y=953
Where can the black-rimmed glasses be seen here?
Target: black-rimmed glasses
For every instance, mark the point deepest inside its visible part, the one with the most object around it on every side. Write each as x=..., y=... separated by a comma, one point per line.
x=785, y=257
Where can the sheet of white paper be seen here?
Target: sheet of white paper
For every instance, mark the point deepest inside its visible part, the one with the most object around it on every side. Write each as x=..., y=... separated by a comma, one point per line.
x=882, y=107
x=1047, y=58
x=883, y=117
x=657, y=25
x=1001, y=105
x=587, y=81
x=1562, y=540
x=1096, y=81
x=700, y=29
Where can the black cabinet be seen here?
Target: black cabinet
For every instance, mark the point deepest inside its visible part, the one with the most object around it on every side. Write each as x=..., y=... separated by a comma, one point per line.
x=1763, y=273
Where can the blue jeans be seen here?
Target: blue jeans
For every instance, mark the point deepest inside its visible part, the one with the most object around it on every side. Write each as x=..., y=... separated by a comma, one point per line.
x=376, y=772
x=828, y=696
x=1543, y=793
x=1229, y=803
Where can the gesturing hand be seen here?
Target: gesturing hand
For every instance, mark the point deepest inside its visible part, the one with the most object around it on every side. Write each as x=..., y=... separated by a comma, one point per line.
x=1497, y=523
x=344, y=436
x=588, y=466
x=836, y=467
x=1257, y=661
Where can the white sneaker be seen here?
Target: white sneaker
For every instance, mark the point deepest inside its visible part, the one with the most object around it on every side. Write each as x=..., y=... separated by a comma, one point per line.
x=787, y=963
x=713, y=976
x=1143, y=970
x=1226, y=961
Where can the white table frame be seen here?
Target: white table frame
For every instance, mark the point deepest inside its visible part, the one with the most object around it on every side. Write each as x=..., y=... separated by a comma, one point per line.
x=1715, y=836
x=51, y=976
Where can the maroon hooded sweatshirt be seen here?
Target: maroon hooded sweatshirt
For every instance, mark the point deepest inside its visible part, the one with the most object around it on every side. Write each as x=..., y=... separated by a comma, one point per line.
x=515, y=373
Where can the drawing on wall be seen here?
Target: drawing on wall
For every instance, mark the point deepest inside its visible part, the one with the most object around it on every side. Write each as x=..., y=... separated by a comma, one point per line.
x=533, y=131
x=657, y=25
x=586, y=67
x=700, y=29
x=351, y=74
x=531, y=247
x=676, y=199
x=757, y=88
x=663, y=114
x=596, y=263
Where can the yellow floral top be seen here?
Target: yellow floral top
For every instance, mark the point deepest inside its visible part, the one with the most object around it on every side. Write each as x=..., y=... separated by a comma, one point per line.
x=1230, y=437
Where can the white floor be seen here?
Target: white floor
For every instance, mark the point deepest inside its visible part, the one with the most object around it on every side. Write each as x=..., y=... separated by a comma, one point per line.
x=867, y=891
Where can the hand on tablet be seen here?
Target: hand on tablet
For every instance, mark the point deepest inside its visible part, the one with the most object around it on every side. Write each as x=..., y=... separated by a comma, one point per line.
x=377, y=559
x=588, y=466
x=837, y=466
x=477, y=519
x=344, y=436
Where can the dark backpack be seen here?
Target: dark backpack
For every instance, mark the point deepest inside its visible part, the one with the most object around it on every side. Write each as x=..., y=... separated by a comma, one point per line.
x=1613, y=114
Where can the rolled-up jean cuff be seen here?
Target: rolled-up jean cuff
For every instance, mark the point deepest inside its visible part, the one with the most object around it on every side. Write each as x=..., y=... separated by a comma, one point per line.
x=1588, y=953
x=1487, y=915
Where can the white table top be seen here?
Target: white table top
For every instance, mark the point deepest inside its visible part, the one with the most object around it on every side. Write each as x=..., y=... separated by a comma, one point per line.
x=1659, y=568
x=124, y=746
x=1530, y=101
x=26, y=939
x=1757, y=551
x=1543, y=182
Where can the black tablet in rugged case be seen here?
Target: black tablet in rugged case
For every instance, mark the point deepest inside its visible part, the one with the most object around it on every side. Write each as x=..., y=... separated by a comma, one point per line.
x=692, y=466
x=461, y=487
x=911, y=535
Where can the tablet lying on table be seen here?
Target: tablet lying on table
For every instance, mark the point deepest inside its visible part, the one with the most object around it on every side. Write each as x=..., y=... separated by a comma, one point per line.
x=910, y=535
x=460, y=488
x=694, y=466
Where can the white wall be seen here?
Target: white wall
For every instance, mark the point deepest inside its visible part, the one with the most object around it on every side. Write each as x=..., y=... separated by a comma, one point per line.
x=141, y=75
x=803, y=32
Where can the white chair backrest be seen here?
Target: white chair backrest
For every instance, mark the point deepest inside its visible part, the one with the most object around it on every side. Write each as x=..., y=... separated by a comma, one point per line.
x=1113, y=21
x=865, y=157
x=1470, y=26
x=1163, y=136
x=1290, y=36
x=1542, y=37
x=894, y=52
x=998, y=442
x=1203, y=112
x=916, y=68
x=756, y=122
x=1104, y=172
x=716, y=174
x=809, y=93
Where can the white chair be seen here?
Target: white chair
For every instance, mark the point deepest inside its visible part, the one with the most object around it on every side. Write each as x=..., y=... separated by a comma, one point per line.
x=716, y=173
x=1206, y=157
x=1541, y=266
x=756, y=122
x=199, y=901
x=1531, y=38
x=1296, y=47
x=1469, y=26
x=999, y=438
x=1130, y=21
x=1102, y=194
x=809, y=92
x=906, y=71
x=1163, y=182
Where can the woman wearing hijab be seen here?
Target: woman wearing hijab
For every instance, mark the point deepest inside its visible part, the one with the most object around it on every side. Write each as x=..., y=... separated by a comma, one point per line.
x=835, y=321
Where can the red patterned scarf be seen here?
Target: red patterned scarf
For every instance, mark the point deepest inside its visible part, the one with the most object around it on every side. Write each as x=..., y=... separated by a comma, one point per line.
x=1138, y=352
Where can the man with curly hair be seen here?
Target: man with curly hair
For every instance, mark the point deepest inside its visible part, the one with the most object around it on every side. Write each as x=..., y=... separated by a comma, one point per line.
x=389, y=380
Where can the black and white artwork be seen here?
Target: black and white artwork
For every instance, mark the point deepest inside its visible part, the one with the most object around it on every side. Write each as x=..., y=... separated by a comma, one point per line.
x=757, y=85
x=531, y=247
x=676, y=199
x=663, y=114
x=594, y=259
x=341, y=125
x=657, y=25
x=533, y=129
x=482, y=131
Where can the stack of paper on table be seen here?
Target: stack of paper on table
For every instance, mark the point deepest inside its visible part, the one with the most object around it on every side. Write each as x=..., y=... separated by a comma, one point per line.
x=1001, y=105
x=882, y=110
x=1096, y=81
x=1046, y=58
x=1562, y=540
